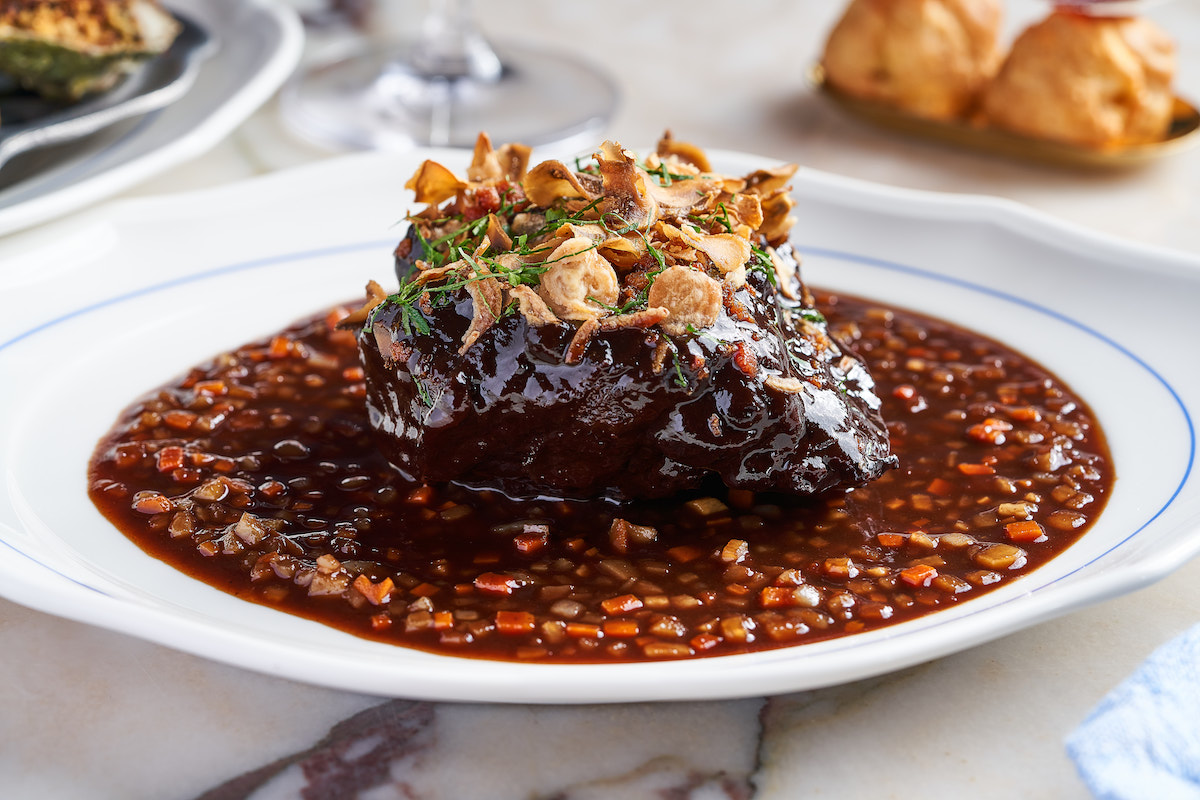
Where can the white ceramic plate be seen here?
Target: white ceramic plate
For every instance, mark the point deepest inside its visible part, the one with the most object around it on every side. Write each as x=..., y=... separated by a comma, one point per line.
x=156, y=285
x=257, y=43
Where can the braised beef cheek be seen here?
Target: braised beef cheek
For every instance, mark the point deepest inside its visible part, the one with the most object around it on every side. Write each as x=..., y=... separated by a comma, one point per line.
x=765, y=399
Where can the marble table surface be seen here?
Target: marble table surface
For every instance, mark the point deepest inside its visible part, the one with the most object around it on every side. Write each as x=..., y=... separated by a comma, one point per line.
x=87, y=713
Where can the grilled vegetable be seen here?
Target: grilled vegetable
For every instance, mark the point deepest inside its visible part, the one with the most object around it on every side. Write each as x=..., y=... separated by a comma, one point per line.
x=66, y=49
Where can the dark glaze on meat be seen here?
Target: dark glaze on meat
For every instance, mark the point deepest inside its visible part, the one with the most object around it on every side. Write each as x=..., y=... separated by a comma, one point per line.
x=511, y=414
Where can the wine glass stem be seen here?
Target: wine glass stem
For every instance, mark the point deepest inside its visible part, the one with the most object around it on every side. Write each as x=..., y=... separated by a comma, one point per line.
x=451, y=48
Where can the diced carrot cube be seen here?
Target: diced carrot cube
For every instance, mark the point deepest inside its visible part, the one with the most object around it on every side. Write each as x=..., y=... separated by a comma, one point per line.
x=777, y=596
x=495, y=583
x=530, y=543
x=940, y=487
x=376, y=593
x=280, y=347
x=213, y=388
x=179, y=419
x=704, y=641
x=734, y=551
x=918, y=575
x=890, y=539
x=990, y=431
x=579, y=630
x=153, y=504
x=976, y=469
x=443, y=620
x=840, y=568
x=169, y=458
x=685, y=553
x=184, y=475
x=625, y=628
x=621, y=605
x=1025, y=414
x=1025, y=530
x=515, y=623
x=421, y=496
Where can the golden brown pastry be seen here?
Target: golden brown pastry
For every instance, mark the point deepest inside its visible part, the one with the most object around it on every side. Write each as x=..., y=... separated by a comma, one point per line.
x=927, y=57
x=1089, y=81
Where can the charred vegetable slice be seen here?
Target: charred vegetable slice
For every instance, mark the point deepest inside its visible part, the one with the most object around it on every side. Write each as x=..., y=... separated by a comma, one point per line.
x=71, y=48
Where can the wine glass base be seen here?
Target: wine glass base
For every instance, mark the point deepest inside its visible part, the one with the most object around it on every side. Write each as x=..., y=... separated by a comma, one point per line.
x=375, y=101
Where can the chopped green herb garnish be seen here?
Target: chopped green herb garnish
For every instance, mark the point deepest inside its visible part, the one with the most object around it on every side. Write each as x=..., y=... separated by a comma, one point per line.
x=423, y=392
x=760, y=261
x=680, y=379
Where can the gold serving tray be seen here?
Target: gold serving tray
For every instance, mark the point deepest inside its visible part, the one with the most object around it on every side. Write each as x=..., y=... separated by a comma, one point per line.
x=1183, y=133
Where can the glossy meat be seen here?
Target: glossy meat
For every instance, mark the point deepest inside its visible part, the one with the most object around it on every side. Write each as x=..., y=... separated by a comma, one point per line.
x=762, y=398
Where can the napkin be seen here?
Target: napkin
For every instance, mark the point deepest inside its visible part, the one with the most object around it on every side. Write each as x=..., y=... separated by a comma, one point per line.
x=1143, y=739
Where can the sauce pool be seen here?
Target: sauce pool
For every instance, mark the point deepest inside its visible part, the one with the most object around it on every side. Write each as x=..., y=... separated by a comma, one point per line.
x=256, y=473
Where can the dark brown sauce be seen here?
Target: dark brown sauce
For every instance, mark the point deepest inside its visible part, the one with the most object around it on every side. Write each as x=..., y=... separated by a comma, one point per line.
x=257, y=474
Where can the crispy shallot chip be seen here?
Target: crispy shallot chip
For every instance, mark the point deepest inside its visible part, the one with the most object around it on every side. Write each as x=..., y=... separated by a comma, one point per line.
x=734, y=280
x=728, y=251
x=661, y=350
x=626, y=197
x=497, y=237
x=580, y=282
x=681, y=198
x=768, y=181
x=672, y=165
x=551, y=181
x=684, y=151
x=532, y=306
x=777, y=222
x=579, y=341
x=489, y=164
x=433, y=183
x=646, y=318
x=785, y=272
x=375, y=296
x=747, y=208
x=692, y=298
x=623, y=252
x=784, y=385
x=392, y=351
x=570, y=230
x=488, y=301
x=428, y=274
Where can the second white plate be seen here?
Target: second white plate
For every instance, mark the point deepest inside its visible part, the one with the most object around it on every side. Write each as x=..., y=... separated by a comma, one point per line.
x=257, y=43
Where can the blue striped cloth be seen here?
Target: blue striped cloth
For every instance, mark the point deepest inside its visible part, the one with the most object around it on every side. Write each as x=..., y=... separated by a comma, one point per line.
x=1143, y=739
